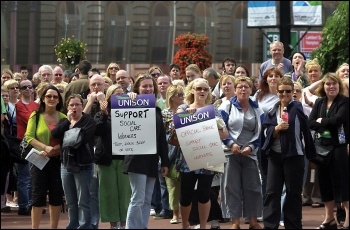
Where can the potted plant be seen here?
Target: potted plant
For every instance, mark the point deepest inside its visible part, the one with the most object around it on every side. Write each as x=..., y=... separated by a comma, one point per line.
x=192, y=51
x=70, y=51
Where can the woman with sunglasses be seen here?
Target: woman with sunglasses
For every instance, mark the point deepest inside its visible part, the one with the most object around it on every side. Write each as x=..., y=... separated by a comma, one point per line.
x=112, y=70
x=197, y=96
x=40, y=137
x=143, y=169
x=77, y=163
x=282, y=157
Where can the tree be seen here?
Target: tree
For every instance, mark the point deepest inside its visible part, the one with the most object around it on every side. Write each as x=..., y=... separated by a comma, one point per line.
x=334, y=48
x=192, y=51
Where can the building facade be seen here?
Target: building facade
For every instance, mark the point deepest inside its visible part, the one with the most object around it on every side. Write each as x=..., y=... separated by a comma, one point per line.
x=134, y=34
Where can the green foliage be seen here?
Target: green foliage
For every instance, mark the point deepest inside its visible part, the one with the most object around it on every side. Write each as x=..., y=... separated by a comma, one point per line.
x=70, y=51
x=334, y=48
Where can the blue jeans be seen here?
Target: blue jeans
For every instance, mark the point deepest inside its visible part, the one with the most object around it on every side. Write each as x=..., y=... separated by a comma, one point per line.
x=140, y=203
x=156, y=202
x=76, y=188
x=94, y=202
x=24, y=186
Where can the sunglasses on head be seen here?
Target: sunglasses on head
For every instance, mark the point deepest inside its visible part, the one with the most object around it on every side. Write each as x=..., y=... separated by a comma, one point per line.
x=284, y=91
x=200, y=89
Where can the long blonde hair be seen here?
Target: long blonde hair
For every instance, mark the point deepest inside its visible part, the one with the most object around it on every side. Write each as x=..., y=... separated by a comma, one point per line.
x=171, y=91
x=189, y=95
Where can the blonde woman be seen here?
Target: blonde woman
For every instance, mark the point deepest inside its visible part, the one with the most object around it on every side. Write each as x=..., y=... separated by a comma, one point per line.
x=226, y=84
x=155, y=72
x=192, y=72
x=343, y=71
x=197, y=96
x=174, y=98
x=112, y=70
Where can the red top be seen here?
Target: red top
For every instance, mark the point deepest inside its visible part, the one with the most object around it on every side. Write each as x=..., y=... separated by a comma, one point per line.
x=23, y=112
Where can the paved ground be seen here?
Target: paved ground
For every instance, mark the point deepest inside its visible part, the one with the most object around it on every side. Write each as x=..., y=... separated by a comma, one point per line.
x=312, y=217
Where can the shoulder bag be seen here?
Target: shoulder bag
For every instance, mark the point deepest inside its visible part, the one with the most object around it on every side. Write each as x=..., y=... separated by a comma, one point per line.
x=24, y=146
x=72, y=138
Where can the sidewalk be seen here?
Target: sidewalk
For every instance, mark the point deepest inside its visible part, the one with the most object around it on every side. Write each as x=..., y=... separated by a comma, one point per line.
x=312, y=218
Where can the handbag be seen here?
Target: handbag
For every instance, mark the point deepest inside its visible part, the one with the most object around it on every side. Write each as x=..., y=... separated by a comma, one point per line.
x=15, y=151
x=24, y=146
x=323, y=152
x=173, y=139
x=72, y=138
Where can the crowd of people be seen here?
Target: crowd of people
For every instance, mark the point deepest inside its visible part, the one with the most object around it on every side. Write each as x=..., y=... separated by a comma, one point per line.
x=272, y=168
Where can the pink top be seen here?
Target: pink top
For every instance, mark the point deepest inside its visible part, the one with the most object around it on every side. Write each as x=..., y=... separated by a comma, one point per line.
x=53, y=141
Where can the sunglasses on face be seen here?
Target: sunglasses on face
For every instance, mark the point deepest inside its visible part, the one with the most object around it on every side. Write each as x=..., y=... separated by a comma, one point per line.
x=58, y=74
x=284, y=91
x=14, y=88
x=114, y=68
x=26, y=87
x=200, y=89
x=51, y=96
x=155, y=74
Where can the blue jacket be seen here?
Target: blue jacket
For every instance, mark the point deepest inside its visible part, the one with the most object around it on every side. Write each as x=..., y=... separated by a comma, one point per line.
x=290, y=139
x=232, y=111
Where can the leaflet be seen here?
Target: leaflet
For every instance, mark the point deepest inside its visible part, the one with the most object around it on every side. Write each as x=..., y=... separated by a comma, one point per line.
x=37, y=159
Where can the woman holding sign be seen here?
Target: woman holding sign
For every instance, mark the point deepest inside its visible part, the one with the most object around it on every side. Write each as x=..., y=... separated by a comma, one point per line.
x=197, y=96
x=242, y=186
x=143, y=169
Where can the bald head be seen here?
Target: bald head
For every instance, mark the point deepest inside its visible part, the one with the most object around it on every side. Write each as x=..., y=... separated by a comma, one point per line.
x=123, y=78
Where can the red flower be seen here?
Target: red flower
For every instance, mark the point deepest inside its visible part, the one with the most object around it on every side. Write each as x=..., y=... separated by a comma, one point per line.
x=192, y=51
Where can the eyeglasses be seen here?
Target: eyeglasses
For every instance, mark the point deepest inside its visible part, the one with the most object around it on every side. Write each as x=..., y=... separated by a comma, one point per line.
x=58, y=74
x=243, y=87
x=51, y=96
x=114, y=68
x=200, y=89
x=14, y=88
x=26, y=87
x=297, y=90
x=76, y=105
x=284, y=91
x=155, y=74
x=179, y=94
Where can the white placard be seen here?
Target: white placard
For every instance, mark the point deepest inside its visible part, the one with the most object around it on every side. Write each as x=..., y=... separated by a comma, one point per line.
x=200, y=141
x=133, y=125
